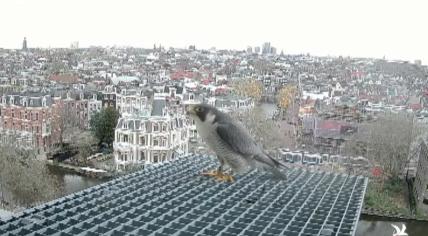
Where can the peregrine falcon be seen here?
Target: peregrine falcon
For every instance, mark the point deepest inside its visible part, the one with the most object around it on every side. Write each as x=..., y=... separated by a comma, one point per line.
x=232, y=143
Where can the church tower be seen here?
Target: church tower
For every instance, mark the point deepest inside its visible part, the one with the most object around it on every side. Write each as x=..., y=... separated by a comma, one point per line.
x=24, y=44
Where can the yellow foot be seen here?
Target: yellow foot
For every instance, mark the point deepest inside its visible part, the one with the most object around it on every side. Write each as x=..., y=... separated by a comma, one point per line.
x=227, y=178
x=212, y=173
x=220, y=176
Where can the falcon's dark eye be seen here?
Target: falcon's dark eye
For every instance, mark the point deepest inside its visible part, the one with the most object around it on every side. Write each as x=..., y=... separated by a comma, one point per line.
x=198, y=109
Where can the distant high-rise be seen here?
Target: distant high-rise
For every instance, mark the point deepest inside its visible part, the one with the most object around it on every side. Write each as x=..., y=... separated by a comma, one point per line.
x=24, y=44
x=273, y=50
x=266, y=48
x=249, y=50
x=418, y=62
x=257, y=50
x=74, y=45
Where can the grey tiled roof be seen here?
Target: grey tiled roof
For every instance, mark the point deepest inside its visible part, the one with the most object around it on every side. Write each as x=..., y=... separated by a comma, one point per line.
x=173, y=199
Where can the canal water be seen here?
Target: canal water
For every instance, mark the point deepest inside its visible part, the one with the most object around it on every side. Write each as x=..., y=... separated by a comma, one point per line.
x=379, y=226
x=268, y=108
x=71, y=182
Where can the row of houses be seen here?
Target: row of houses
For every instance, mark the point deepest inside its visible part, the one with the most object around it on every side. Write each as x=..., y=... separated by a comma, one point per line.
x=42, y=114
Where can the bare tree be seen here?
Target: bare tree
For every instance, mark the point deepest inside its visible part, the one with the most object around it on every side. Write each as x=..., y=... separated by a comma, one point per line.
x=67, y=122
x=24, y=180
x=86, y=144
x=386, y=142
x=265, y=131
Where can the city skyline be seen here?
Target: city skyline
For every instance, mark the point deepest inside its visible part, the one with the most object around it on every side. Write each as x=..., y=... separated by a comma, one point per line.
x=390, y=29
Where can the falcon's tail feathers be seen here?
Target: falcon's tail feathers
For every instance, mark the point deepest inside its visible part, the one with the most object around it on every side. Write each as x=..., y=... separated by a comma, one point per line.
x=276, y=170
x=267, y=163
x=279, y=164
x=277, y=174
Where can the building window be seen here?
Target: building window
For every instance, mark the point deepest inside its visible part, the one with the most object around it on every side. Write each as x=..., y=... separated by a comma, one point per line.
x=163, y=156
x=125, y=138
x=142, y=156
x=155, y=157
x=164, y=127
x=163, y=142
x=155, y=142
x=155, y=127
x=37, y=116
x=123, y=157
x=143, y=140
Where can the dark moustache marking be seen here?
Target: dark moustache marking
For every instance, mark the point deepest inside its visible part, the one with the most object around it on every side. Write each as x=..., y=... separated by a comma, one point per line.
x=202, y=114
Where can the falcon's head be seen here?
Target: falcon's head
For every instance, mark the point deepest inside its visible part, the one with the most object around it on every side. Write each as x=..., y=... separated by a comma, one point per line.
x=202, y=112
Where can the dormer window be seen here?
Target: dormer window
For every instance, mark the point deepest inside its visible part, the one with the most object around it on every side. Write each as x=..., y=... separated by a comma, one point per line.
x=125, y=125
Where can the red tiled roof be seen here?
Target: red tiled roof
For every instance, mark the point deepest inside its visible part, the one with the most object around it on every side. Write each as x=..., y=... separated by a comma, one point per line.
x=66, y=79
x=181, y=74
x=329, y=125
x=416, y=106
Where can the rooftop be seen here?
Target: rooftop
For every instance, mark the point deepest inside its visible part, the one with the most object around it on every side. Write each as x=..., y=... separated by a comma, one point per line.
x=173, y=199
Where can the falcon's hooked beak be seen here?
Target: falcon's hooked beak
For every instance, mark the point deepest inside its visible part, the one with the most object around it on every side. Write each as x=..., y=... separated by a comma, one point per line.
x=190, y=110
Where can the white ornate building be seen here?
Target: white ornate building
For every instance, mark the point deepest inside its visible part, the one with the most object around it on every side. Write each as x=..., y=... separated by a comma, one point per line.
x=151, y=139
x=132, y=102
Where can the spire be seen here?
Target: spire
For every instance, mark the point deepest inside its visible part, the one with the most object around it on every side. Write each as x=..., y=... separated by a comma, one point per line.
x=24, y=44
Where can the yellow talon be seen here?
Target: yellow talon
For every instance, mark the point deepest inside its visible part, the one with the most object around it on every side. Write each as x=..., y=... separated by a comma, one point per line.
x=220, y=176
x=213, y=173
x=228, y=178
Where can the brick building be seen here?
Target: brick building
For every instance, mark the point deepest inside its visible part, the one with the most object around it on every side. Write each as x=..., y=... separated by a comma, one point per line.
x=31, y=113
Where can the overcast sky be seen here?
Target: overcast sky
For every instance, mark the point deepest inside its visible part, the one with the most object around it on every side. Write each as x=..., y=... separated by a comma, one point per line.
x=372, y=28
